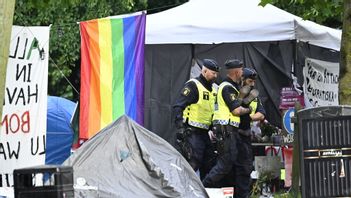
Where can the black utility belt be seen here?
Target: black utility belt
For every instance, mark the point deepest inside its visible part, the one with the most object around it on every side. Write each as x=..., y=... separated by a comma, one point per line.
x=197, y=130
x=227, y=128
x=231, y=128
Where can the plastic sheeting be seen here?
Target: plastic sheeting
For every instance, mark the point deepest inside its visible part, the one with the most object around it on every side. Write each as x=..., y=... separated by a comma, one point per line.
x=126, y=160
x=59, y=136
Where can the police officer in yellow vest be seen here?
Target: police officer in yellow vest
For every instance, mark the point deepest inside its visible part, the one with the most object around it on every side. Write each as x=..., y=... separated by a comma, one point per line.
x=244, y=164
x=193, y=115
x=226, y=121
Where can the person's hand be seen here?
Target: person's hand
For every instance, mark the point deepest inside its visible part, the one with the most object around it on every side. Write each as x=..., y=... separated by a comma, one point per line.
x=244, y=91
x=181, y=135
x=252, y=96
x=183, y=145
x=218, y=133
x=218, y=139
x=212, y=136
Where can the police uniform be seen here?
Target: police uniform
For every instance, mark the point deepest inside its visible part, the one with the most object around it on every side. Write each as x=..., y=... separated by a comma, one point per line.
x=223, y=119
x=194, y=110
x=244, y=164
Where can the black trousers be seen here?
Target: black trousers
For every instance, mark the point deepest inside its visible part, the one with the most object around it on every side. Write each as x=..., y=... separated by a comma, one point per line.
x=234, y=166
x=243, y=167
x=225, y=160
x=202, y=151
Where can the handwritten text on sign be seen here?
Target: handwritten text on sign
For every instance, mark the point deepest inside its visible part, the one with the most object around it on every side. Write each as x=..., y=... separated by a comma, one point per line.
x=23, y=130
x=321, y=80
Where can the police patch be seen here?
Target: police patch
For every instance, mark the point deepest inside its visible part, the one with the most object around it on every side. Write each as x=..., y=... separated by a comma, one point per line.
x=186, y=91
x=232, y=97
x=206, y=95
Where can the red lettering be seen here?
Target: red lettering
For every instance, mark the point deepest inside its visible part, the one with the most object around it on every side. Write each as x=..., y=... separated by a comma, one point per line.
x=25, y=122
x=5, y=124
x=15, y=123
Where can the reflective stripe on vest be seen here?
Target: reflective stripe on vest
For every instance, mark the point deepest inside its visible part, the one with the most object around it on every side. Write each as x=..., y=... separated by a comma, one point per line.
x=222, y=115
x=200, y=114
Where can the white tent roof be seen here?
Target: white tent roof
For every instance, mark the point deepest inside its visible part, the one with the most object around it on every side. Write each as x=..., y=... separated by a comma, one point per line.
x=227, y=21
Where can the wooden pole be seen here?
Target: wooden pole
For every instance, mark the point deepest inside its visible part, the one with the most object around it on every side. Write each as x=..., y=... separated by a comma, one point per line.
x=7, y=8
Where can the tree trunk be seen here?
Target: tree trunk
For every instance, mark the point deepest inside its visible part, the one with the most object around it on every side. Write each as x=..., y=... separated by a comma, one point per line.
x=7, y=8
x=345, y=59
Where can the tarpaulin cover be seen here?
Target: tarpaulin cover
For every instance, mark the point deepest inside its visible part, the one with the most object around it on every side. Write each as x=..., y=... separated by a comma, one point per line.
x=126, y=160
x=59, y=136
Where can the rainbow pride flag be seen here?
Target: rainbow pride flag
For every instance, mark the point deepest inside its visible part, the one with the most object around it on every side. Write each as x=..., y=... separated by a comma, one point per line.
x=112, y=71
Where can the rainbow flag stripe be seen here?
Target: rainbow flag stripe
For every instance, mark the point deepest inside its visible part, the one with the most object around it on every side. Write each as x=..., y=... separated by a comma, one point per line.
x=112, y=71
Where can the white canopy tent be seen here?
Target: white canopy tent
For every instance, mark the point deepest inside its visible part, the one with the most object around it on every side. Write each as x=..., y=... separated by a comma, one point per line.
x=228, y=21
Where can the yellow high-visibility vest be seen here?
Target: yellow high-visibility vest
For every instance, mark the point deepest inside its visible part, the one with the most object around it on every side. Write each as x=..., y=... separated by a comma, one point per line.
x=253, y=106
x=200, y=114
x=222, y=114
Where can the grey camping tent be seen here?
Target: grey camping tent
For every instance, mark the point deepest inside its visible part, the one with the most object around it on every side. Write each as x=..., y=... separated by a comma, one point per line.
x=126, y=160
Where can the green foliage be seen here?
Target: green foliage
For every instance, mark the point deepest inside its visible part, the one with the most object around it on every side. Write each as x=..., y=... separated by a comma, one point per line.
x=326, y=12
x=158, y=6
x=263, y=178
x=64, y=36
x=287, y=195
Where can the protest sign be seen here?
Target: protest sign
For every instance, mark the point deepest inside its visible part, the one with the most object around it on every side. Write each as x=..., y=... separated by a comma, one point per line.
x=23, y=130
x=321, y=80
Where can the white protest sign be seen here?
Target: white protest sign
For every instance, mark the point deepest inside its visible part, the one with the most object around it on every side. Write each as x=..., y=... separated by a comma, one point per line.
x=321, y=83
x=23, y=130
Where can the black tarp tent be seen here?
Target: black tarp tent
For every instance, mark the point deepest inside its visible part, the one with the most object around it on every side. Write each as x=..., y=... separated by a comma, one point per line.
x=126, y=160
x=270, y=40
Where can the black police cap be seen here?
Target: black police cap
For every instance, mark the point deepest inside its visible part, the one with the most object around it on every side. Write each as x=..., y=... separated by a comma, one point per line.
x=249, y=73
x=211, y=64
x=233, y=63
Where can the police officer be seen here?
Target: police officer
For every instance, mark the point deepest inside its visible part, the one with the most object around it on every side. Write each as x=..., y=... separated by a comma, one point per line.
x=193, y=115
x=244, y=164
x=226, y=121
